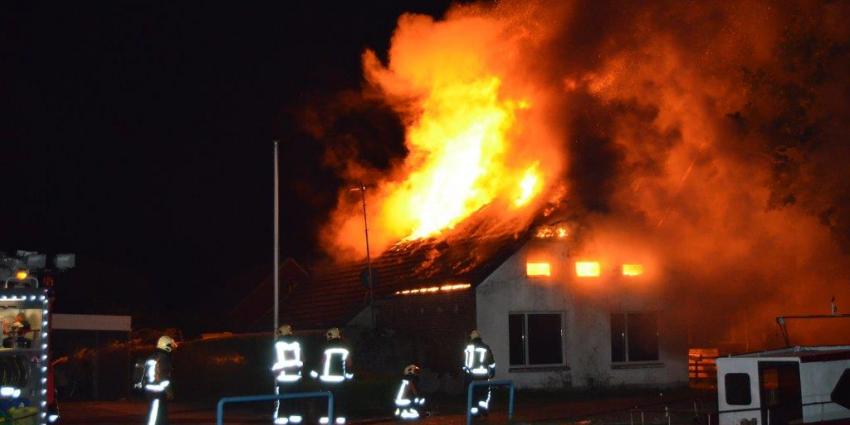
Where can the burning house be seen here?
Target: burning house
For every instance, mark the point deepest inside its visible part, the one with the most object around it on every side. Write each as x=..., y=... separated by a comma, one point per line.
x=701, y=210
x=553, y=319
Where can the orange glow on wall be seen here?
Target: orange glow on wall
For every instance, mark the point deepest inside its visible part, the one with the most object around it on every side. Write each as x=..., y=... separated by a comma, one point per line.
x=588, y=269
x=632, y=269
x=538, y=269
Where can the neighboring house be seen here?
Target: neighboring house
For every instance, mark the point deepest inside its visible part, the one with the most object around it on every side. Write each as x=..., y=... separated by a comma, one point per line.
x=255, y=311
x=551, y=320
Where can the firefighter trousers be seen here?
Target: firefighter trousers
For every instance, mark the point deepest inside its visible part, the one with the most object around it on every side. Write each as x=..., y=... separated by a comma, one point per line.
x=158, y=411
x=288, y=411
x=340, y=392
x=481, y=395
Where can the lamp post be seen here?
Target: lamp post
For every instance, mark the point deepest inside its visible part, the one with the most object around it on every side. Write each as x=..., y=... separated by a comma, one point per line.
x=275, y=272
x=362, y=189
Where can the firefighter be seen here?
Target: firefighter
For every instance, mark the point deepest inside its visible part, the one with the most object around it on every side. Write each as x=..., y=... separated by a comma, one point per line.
x=158, y=380
x=479, y=365
x=287, y=373
x=408, y=401
x=335, y=374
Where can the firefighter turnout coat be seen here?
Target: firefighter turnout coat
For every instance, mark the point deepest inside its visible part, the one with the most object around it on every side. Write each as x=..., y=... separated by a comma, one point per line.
x=335, y=371
x=158, y=386
x=479, y=362
x=287, y=374
x=408, y=401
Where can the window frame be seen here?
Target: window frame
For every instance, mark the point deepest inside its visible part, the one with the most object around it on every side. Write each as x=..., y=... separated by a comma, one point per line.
x=625, y=316
x=526, y=364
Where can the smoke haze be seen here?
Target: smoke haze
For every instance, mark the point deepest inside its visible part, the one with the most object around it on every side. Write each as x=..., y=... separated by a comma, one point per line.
x=710, y=136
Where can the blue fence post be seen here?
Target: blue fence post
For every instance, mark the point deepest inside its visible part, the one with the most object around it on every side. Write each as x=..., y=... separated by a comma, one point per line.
x=469, y=403
x=219, y=409
x=511, y=402
x=501, y=382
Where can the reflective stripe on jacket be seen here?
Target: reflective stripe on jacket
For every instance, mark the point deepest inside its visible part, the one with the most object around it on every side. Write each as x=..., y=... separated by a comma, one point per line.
x=288, y=363
x=336, y=364
x=158, y=372
x=478, y=360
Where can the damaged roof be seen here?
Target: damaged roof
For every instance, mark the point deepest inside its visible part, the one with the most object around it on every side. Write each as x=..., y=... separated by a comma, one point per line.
x=331, y=295
x=334, y=294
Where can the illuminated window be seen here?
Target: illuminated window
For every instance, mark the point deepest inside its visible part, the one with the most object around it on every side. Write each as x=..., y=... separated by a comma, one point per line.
x=632, y=269
x=538, y=269
x=552, y=232
x=587, y=268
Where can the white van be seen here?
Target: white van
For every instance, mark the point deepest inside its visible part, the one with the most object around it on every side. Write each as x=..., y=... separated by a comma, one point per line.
x=796, y=385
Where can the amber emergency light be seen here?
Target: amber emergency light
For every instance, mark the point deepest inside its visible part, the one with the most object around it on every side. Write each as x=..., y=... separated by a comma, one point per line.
x=21, y=274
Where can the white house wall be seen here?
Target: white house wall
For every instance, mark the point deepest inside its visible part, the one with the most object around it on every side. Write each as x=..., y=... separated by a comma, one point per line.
x=586, y=308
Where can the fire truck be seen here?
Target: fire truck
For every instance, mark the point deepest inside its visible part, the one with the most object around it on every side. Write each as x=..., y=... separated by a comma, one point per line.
x=26, y=374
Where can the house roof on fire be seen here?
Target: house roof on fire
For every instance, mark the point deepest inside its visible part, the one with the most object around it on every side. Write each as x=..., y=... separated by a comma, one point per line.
x=333, y=295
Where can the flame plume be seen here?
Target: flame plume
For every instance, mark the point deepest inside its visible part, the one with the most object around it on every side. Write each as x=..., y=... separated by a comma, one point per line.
x=471, y=130
x=710, y=138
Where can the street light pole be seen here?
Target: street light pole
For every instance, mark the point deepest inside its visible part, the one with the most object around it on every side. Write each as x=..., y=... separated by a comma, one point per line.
x=275, y=273
x=362, y=190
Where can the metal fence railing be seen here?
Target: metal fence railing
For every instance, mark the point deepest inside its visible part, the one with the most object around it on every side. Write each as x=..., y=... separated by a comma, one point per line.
x=496, y=383
x=661, y=415
x=219, y=409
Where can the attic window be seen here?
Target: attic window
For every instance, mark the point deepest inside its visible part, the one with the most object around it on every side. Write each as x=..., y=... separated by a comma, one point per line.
x=538, y=269
x=632, y=270
x=588, y=269
x=558, y=231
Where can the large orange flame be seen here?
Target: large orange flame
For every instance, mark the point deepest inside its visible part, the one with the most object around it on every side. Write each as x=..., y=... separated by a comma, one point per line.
x=457, y=156
x=470, y=130
x=706, y=143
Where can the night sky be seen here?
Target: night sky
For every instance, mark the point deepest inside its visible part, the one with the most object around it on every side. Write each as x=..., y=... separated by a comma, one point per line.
x=139, y=136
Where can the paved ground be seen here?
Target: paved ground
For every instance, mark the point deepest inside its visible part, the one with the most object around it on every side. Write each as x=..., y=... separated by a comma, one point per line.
x=683, y=407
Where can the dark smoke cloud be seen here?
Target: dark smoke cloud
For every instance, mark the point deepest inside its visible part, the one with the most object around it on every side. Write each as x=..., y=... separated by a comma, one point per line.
x=710, y=136
x=723, y=129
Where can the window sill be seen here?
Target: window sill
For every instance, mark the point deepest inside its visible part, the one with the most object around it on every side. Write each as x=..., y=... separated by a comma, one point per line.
x=532, y=369
x=637, y=365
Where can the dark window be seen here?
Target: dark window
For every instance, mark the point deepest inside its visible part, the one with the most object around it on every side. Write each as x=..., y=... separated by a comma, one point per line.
x=535, y=339
x=643, y=336
x=618, y=337
x=516, y=338
x=737, y=389
x=544, y=339
x=634, y=337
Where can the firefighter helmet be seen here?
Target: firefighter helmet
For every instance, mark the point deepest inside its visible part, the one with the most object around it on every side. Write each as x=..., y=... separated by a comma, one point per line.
x=166, y=343
x=333, y=333
x=285, y=330
x=411, y=370
x=474, y=334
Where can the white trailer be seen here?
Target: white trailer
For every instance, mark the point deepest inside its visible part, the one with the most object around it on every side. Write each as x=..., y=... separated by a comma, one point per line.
x=795, y=385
